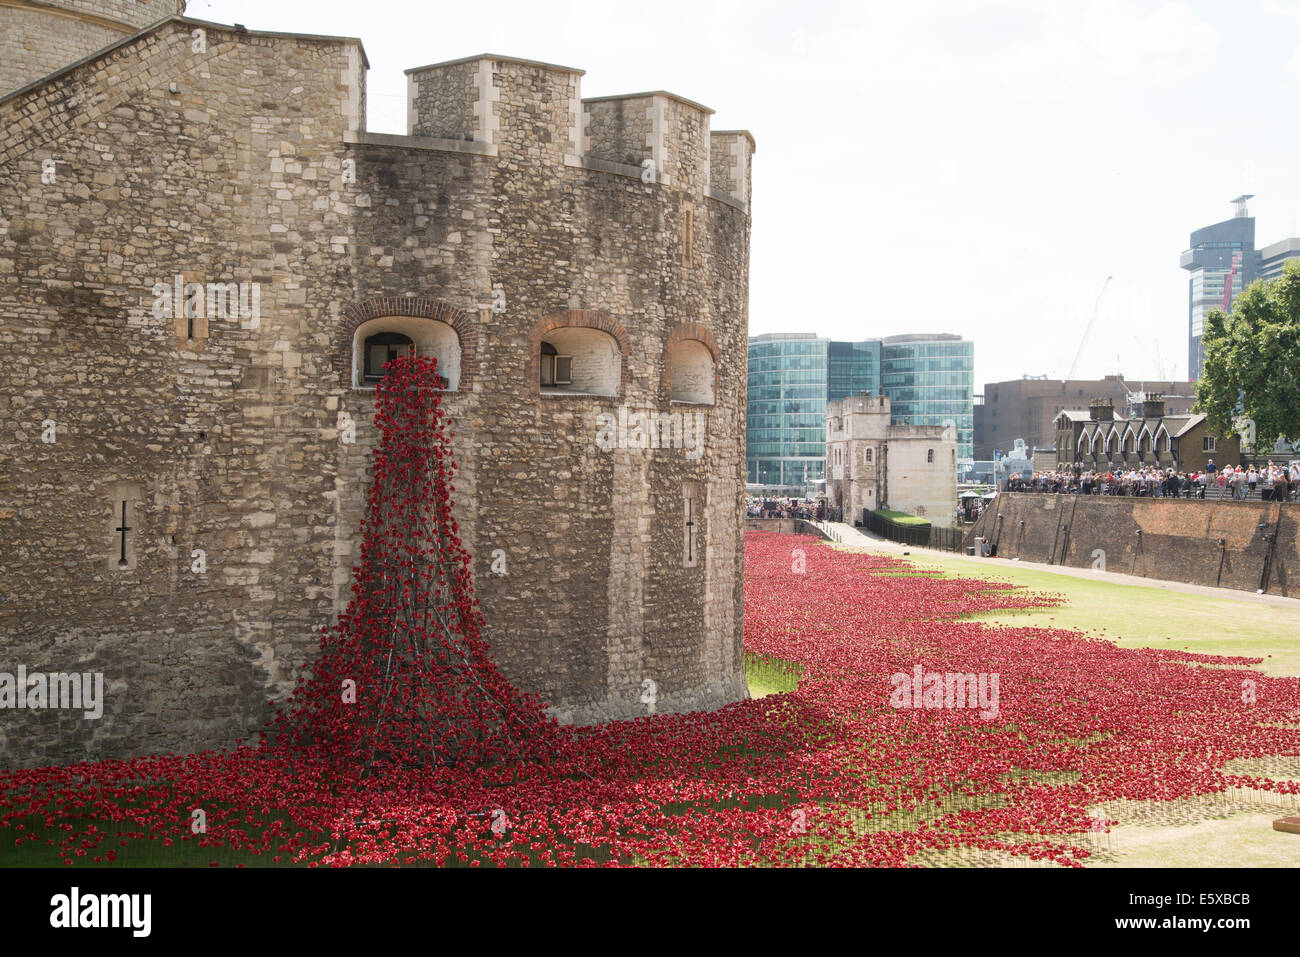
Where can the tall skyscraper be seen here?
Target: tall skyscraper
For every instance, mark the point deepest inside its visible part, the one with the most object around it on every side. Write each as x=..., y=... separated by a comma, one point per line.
x=1217, y=252
x=930, y=380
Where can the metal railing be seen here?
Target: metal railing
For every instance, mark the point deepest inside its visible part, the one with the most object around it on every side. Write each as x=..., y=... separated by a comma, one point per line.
x=923, y=536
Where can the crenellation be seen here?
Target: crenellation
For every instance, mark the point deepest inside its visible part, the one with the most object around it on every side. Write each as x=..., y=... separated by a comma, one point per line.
x=731, y=162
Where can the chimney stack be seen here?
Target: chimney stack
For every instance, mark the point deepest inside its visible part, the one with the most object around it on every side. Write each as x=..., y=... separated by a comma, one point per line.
x=1102, y=410
x=1153, y=406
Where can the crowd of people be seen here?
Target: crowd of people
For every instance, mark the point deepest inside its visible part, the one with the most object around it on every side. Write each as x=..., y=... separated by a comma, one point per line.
x=1274, y=482
x=970, y=509
x=810, y=509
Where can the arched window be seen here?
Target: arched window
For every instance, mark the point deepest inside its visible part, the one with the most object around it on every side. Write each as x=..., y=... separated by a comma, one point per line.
x=577, y=360
x=381, y=340
x=866, y=456
x=929, y=457
x=690, y=366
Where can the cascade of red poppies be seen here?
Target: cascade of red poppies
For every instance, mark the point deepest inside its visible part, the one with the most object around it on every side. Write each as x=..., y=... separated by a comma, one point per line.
x=406, y=678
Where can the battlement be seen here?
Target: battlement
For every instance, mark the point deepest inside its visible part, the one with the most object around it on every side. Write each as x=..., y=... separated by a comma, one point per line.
x=528, y=109
x=505, y=103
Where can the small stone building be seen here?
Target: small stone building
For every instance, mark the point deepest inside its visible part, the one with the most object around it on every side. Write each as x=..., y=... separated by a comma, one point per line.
x=871, y=464
x=1098, y=439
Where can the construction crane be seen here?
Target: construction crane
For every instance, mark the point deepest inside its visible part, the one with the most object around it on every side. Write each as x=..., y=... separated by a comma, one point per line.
x=1092, y=320
x=1227, y=286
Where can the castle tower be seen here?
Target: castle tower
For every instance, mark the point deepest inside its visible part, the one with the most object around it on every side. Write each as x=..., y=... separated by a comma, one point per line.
x=189, y=521
x=38, y=37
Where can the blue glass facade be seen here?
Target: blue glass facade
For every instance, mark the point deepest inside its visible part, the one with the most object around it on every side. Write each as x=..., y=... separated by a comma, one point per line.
x=930, y=381
x=785, y=441
x=852, y=368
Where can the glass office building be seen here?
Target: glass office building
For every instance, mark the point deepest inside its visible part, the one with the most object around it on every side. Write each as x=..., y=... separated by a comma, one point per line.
x=852, y=368
x=1214, y=251
x=1210, y=260
x=930, y=380
x=785, y=442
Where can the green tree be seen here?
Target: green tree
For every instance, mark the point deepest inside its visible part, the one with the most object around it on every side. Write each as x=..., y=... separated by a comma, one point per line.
x=1252, y=362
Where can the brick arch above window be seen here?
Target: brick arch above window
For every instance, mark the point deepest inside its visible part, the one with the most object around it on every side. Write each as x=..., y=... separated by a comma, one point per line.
x=411, y=307
x=692, y=331
x=579, y=319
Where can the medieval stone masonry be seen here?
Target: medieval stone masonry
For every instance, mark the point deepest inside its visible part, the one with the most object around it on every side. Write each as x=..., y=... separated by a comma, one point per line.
x=873, y=465
x=204, y=261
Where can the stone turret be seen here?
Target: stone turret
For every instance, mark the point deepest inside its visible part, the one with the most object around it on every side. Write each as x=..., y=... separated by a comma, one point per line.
x=589, y=317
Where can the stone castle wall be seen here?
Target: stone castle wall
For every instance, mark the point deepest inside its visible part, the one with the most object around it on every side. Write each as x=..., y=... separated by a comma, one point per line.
x=37, y=38
x=232, y=442
x=1226, y=544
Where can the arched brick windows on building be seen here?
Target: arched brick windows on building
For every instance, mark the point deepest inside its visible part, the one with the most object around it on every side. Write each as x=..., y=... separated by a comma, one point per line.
x=691, y=372
x=691, y=365
x=579, y=352
x=383, y=339
x=579, y=360
x=372, y=331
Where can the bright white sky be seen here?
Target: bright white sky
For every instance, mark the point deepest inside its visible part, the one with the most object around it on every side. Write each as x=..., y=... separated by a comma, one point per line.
x=968, y=166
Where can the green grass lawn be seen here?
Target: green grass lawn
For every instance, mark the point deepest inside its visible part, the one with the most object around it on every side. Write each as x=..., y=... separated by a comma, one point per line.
x=902, y=518
x=769, y=676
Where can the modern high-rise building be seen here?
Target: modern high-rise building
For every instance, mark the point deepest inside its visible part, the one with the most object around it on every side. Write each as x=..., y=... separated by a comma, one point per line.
x=930, y=380
x=852, y=368
x=785, y=442
x=1273, y=258
x=1217, y=252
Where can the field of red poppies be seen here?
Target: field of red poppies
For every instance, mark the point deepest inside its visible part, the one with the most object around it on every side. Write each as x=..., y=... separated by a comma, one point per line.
x=828, y=774
x=872, y=760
